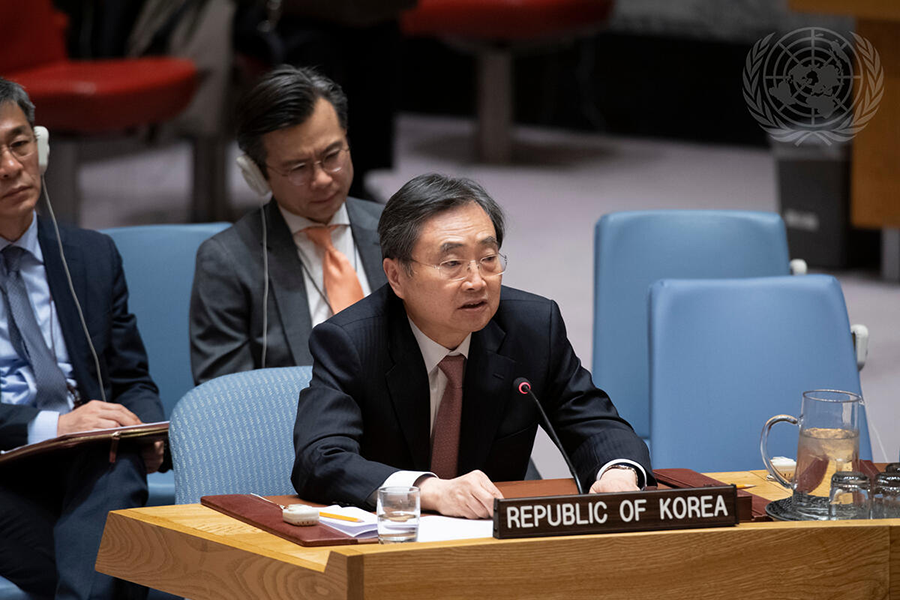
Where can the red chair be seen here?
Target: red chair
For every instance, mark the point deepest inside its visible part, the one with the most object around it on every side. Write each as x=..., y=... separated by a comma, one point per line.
x=496, y=28
x=85, y=98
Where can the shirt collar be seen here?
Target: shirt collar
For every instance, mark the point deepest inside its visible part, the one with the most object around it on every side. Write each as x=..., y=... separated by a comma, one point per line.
x=28, y=241
x=432, y=352
x=296, y=223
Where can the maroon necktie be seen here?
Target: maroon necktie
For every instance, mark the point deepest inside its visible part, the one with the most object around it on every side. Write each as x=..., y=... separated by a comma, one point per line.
x=445, y=441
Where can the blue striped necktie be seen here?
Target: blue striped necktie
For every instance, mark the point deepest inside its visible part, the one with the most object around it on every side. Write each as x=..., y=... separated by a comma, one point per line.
x=25, y=336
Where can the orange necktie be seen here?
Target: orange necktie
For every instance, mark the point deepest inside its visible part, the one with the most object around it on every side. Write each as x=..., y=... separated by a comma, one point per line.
x=341, y=283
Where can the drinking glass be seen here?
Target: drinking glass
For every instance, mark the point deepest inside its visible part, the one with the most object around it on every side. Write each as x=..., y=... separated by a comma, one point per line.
x=886, y=496
x=398, y=511
x=850, y=498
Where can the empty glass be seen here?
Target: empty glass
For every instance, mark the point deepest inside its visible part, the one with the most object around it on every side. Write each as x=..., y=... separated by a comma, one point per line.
x=850, y=498
x=886, y=496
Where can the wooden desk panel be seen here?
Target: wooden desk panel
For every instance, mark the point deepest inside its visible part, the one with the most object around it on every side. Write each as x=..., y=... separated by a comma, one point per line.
x=195, y=552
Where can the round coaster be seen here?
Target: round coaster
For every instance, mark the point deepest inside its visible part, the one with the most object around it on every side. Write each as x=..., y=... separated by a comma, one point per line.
x=784, y=510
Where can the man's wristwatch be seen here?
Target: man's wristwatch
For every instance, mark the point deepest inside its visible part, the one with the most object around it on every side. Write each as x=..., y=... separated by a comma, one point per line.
x=625, y=467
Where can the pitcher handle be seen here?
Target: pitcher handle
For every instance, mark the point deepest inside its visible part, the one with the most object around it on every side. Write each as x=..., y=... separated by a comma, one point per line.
x=763, y=447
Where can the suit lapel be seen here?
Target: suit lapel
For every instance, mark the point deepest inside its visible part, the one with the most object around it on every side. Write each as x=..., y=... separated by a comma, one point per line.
x=365, y=234
x=288, y=287
x=486, y=392
x=407, y=382
x=69, y=320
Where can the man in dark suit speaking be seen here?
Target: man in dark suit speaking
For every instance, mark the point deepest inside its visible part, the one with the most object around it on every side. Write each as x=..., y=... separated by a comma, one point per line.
x=414, y=384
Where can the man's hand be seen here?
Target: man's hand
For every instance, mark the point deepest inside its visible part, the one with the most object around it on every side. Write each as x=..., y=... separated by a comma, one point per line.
x=95, y=415
x=616, y=480
x=153, y=455
x=470, y=495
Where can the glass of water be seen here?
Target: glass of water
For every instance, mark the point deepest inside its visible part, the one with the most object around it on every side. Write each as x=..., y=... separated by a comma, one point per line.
x=398, y=513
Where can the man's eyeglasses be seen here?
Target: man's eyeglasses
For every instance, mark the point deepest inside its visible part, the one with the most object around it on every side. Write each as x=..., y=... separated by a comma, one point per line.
x=303, y=173
x=21, y=148
x=457, y=270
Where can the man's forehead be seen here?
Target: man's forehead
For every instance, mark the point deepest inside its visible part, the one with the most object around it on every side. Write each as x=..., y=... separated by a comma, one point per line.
x=12, y=120
x=458, y=228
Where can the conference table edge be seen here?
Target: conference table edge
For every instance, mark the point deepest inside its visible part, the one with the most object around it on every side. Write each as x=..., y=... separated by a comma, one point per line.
x=360, y=571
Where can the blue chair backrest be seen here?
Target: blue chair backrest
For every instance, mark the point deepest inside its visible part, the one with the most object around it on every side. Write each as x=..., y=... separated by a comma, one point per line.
x=633, y=250
x=234, y=434
x=158, y=261
x=727, y=354
x=10, y=591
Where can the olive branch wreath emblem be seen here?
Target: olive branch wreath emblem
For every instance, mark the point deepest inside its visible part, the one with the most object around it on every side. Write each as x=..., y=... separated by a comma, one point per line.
x=856, y=119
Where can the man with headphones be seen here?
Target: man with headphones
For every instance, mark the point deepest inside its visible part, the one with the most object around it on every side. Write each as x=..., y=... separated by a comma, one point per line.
x=263, y=284
x=71, y=360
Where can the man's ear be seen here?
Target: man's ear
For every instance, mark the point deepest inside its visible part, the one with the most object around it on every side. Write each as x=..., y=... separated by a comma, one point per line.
x=392, y=270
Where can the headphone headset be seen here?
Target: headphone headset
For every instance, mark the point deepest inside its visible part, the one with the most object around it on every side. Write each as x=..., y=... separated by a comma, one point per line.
x=43, y=147
x=253, y=175
x=258, y=183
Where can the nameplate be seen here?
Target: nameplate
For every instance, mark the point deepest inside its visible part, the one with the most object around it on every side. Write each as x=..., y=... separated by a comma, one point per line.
x=615, y=512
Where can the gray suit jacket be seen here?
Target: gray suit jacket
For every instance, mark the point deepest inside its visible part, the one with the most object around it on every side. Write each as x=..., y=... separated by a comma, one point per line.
x=226, y=301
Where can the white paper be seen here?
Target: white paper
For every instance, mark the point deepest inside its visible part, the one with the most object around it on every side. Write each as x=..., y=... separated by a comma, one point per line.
x=435, y=528
x=366, y=527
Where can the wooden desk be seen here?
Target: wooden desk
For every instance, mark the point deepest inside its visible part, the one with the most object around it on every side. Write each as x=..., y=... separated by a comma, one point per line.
x=195, y=552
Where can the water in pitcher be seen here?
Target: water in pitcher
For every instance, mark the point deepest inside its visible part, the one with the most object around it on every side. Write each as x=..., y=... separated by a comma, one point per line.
x=820, y=453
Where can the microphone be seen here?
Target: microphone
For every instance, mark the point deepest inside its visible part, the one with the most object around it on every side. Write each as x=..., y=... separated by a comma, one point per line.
x=524, y=388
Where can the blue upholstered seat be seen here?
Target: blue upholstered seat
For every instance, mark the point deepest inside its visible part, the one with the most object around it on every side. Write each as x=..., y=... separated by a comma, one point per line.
x=234, y=434
x=727, y=354
x=633, y=250
x=158, y=261
x=10, y=591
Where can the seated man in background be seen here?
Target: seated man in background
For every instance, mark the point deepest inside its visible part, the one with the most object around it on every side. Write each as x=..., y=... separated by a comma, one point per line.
x=414, y=384
x=54, y=506
x=263, y=284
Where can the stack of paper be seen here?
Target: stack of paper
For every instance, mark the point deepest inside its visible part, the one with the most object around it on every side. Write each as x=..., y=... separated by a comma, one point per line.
x=366, y=525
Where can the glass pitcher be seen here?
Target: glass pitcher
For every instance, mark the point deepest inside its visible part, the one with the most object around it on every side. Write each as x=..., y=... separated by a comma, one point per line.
x=829, y=443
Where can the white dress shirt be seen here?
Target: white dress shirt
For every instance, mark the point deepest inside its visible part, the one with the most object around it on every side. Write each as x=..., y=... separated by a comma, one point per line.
x=17, y=384
x=312, y=258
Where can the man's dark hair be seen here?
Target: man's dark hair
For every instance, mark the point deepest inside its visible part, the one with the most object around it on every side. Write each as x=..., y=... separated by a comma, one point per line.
x=284, y=97
x=422, y=198
x=13, y=92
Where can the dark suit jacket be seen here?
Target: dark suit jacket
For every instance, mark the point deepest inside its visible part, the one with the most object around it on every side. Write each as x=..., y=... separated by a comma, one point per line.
x=366, y=413
x=227, y=297
x=99, y=282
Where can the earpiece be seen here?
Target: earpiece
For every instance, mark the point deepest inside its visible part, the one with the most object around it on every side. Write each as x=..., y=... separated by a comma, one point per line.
x=253, y=176
x=43, y=147
x=257, y=182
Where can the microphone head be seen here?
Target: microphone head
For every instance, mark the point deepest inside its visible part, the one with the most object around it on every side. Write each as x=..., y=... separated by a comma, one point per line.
x=523, y=385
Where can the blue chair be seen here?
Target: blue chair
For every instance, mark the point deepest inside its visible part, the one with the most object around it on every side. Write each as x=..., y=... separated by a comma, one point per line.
x=727, y=354
x=234, y=434
x=158, y=261
x=633, y=250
